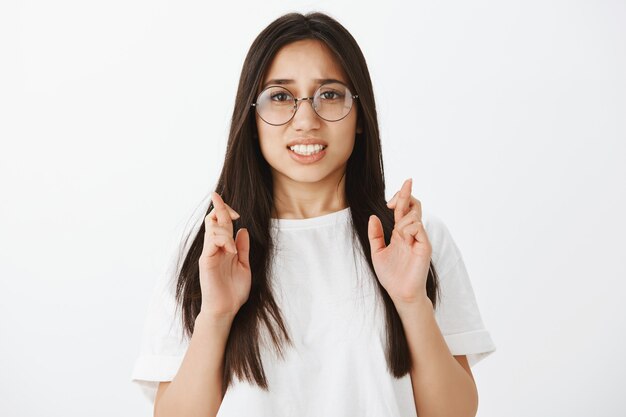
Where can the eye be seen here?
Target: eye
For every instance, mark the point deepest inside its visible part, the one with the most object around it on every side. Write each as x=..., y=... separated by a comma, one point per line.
x=330, y=95
x=281, y=97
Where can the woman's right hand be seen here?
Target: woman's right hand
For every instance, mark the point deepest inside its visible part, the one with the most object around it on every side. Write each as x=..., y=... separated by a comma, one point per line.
x=225, y=276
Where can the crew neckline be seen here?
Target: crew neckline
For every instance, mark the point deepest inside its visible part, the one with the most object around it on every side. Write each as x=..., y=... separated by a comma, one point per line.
x=325, y=219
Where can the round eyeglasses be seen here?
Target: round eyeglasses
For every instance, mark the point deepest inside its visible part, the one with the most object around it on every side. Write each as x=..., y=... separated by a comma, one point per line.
x=276, y=105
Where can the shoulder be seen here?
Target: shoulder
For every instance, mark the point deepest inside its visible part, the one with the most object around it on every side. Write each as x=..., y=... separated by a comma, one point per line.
x=434, y=225
x=445, y=251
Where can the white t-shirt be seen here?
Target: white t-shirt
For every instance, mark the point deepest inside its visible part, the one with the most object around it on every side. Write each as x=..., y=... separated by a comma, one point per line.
x=335, y=319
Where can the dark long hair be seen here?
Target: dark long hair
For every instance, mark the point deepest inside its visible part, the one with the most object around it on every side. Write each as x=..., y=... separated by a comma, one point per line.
x=245, y=184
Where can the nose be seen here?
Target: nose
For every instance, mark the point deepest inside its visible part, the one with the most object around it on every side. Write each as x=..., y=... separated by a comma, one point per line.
x=305, y=118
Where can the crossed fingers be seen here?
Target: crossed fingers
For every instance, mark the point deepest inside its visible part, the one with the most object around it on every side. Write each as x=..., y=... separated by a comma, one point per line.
x=407, y=213
x=219, y=223
x=408, y=226
x=402, y=202
x=219, y=206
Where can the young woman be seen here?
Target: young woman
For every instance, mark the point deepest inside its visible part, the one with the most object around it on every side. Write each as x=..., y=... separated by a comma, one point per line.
x=305, y=293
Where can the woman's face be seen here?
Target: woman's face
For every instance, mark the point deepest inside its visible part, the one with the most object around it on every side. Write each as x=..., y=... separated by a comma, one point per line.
x=303, y=62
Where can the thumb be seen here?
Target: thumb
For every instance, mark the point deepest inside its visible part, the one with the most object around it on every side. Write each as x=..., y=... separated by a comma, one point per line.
x=375, y=234
x=242, y=242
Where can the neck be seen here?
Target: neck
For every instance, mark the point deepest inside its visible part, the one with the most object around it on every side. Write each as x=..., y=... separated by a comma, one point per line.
x=302, y=200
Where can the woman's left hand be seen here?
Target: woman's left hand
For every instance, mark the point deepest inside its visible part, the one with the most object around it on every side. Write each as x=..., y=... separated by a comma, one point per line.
x=402, y=267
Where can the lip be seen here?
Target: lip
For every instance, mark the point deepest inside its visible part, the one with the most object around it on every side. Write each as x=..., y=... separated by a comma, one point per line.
x=307, y=141
x=306, y=159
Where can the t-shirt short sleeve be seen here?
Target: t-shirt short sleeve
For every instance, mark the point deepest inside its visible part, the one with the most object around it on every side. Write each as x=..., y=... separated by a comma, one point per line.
x=456, y=311
x=163, y=344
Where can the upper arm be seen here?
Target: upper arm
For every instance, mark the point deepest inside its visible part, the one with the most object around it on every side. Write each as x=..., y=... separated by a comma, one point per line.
x=462, y=359
x=162, y=387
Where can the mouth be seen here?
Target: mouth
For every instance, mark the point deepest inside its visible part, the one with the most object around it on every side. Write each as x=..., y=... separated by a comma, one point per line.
x=307, y=150
x=306, y=155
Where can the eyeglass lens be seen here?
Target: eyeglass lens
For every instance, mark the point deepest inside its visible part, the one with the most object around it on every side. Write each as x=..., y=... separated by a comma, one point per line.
x=276, y=105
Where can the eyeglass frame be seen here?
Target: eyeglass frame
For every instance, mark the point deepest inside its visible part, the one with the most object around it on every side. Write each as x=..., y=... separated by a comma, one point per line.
x=296, y=100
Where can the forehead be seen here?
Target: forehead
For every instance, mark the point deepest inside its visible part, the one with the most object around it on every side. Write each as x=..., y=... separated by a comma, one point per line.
x=304, y=62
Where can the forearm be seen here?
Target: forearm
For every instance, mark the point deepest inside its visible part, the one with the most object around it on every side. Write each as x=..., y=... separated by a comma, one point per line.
x=196, y=390
x=441, y=387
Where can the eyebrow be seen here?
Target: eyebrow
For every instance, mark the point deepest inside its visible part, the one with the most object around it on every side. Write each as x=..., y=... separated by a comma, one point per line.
x=281, y=81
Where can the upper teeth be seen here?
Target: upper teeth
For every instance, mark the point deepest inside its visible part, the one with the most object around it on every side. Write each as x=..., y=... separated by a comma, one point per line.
x=307, y=149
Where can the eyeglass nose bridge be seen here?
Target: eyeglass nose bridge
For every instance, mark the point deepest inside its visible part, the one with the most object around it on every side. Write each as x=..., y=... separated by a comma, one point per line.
x=296, y=106
x=296, y=100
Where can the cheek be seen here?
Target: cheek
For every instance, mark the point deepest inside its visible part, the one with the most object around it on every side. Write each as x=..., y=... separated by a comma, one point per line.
x=346, y=136
x=266, y=149
x=263, y=136
x=268, y=144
